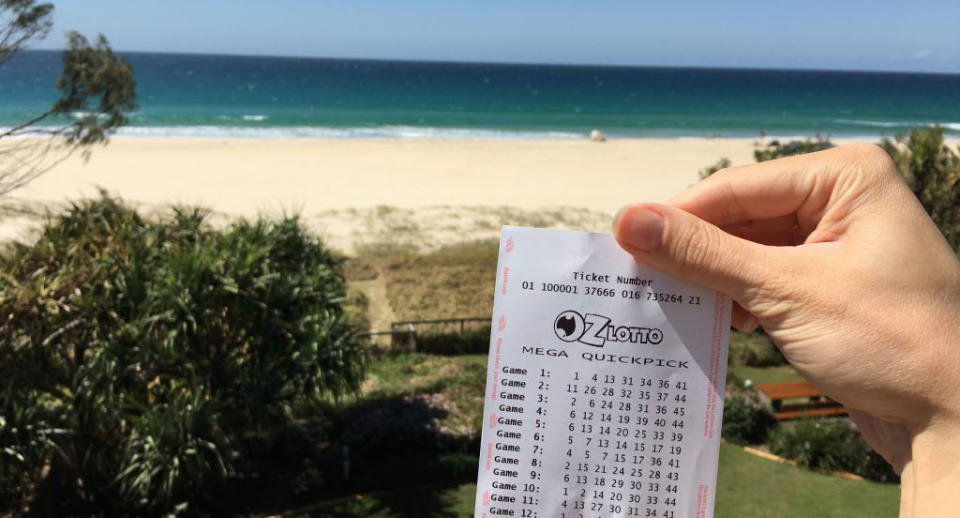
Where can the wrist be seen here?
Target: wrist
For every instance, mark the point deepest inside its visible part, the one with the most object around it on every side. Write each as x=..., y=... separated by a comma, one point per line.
x=931, y=478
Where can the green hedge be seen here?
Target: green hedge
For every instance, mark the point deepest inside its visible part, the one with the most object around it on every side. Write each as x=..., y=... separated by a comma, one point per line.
x=142, y=359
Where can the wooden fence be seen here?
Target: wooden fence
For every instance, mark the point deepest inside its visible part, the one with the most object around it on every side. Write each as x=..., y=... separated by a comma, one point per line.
x=403, y=334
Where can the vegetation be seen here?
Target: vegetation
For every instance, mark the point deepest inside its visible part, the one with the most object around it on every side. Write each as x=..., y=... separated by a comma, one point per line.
x=746, y=486
x=754, y=349
x=750, y=486
x=830, y=444
x=450, y=389
x=94, y=83
x=745, y=422
x=146, y=362
x=723, y=163
x=776, y=149
x=932, y=170
x=417, y=421
x=455, y=281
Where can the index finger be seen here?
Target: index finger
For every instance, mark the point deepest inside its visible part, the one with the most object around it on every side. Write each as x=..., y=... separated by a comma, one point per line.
x=765, y=190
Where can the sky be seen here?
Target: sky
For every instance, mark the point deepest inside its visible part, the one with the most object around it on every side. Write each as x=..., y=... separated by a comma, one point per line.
x=920, y=35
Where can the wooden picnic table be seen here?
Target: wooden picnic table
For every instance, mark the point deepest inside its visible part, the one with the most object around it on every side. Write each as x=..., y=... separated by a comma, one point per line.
x=811, y=401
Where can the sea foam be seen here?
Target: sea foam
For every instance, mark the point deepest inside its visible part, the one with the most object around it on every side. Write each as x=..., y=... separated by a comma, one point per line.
x=386, y=132
x=953, y=126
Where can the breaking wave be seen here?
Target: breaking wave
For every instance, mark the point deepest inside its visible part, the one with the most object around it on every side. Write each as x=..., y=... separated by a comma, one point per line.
x=287, y=132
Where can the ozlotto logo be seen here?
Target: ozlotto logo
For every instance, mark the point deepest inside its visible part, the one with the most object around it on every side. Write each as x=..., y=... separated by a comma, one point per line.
x=596, y=330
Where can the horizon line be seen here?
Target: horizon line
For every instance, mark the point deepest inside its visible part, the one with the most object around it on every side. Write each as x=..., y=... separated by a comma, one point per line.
x=519, y=63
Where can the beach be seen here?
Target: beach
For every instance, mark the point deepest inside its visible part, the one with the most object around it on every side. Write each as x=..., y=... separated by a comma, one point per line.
x=338, y=184
x=243, y=177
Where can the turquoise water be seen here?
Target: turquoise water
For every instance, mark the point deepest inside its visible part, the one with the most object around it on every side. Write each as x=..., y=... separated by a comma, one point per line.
x=205, y=95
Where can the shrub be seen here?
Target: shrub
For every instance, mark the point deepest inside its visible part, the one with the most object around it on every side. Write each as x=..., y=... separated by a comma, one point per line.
x=148, y=352
x=26, y=433
x=754, y=350
x=743, y=422
x=830, y=444
x=777, y=149
x=932, y=170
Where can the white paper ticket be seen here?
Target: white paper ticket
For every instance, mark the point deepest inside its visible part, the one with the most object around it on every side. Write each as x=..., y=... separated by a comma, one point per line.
x=604, y=385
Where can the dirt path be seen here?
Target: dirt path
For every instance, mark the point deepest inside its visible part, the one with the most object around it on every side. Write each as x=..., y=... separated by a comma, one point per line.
x=379, y=311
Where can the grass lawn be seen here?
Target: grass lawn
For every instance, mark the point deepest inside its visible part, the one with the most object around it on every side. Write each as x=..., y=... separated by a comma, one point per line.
x=459, y=379
x=755, y=487
x=747, y=485
x=458, y=281
x=765, y=374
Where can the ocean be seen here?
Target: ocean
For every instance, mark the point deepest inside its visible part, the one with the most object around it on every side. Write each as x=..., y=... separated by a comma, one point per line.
x=193, y=95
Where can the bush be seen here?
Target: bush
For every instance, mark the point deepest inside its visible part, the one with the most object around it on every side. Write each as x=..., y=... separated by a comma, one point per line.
x=140, y=356
x=932, y=170
x=830, y=444
x=754, y=349
x=743, y=422
x=777, y=149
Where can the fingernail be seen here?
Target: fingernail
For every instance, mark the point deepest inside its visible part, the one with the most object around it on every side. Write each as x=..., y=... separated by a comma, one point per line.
x=642, y=228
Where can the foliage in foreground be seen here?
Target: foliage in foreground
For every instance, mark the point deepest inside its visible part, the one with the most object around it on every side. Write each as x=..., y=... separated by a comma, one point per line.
x=145, y=361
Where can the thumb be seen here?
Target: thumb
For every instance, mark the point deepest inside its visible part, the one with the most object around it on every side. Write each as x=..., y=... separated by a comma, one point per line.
x=685, y=246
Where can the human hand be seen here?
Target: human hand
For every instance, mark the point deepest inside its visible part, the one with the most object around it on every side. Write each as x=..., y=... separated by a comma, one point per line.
x=833, y=255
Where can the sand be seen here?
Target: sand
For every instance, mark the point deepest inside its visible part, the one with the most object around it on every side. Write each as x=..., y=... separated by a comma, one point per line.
x=364, y=191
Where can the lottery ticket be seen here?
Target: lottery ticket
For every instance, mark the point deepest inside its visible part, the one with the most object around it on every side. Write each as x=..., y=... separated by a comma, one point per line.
x=605, y=382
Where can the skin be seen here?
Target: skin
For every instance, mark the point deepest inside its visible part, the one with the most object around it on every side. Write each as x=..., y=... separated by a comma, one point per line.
x=833, y=255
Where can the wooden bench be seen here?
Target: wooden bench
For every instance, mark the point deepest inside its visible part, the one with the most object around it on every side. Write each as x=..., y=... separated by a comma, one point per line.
x=808, y=401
